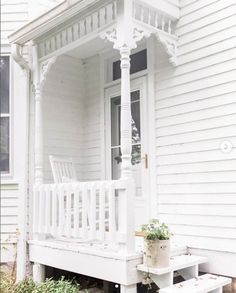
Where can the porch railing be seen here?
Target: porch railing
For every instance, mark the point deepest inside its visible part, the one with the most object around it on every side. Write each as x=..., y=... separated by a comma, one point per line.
x=88, y=211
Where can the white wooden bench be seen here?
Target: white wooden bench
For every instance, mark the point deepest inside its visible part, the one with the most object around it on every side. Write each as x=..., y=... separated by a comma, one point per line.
x=203, y=284
x=185, y=265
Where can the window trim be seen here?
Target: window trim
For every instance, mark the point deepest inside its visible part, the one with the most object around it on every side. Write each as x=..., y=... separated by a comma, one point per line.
x=5, y=176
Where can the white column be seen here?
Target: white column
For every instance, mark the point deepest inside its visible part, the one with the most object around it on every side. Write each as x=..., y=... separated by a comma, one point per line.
x=38, y=269
x=126, y=136
x=38, y=121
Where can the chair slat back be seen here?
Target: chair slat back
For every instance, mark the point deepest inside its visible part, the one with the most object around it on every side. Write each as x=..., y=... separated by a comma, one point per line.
x=63, y=169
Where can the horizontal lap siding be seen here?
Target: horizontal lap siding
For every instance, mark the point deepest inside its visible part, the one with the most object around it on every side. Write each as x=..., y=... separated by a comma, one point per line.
x=195, y=113
x=9, y=221
x=14, y=14
x=63, y=98
x=92, y=124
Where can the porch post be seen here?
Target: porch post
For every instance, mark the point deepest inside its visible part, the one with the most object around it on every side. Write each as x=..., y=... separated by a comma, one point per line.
x=125, y=132
x=38, y=161
x=38, y=269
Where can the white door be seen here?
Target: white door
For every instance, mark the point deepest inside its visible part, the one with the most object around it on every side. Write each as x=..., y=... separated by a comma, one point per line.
x=139, y=143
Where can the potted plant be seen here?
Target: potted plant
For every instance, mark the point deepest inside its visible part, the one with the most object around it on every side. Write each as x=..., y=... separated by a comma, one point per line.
x=156, y=244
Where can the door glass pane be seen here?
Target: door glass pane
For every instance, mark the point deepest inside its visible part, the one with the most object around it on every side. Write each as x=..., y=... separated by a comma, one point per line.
x=4, y=145
x=115, y=133
x=4, y=84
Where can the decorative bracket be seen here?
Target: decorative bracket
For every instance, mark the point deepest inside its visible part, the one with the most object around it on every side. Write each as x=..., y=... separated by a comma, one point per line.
x=170, y=45
x=45, y=69
x=138, y=34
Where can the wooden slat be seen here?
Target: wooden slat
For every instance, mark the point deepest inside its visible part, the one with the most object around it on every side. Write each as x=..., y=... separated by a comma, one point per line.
x=102, y=211
x=112, y=212
x=48, y=210
x=77, y=209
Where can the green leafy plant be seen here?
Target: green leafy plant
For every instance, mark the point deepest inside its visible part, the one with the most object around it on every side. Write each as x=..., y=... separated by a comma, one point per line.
x=7, y=285
x=156, y=230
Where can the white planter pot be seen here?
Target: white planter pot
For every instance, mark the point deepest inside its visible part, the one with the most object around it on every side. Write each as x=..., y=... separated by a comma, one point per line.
x=156, y=253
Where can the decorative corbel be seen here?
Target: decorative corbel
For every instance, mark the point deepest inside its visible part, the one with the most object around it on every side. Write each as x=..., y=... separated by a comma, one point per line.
x=109, y=36
x=140, y=33
x=45, y=69
x=170, y=46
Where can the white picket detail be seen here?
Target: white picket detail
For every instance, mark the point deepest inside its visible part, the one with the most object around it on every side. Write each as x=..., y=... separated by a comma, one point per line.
x=86, y=211
x=153, y=17
x=81, y=27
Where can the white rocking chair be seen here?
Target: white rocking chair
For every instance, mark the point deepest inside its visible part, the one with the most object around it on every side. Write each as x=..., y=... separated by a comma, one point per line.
x=63, y=169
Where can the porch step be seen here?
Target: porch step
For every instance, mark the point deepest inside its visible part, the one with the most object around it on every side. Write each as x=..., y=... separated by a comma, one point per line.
x=203, y=284
x=176, y=263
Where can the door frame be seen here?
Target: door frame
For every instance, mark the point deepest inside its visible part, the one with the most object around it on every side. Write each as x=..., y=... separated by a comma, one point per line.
x=140, y=84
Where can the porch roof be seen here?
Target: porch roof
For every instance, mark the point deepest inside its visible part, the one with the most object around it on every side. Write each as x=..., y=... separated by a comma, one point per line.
x=50, y=20
x=69, y=8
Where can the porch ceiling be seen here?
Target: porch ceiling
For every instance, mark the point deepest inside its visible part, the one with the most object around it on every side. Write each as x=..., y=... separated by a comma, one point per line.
x=89, y=48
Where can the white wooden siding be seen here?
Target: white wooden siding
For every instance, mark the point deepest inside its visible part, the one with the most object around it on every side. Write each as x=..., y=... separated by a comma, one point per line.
x=63, y=96
x=92, y=136
x=195, y=113
x=14, y=14
x=9, y=220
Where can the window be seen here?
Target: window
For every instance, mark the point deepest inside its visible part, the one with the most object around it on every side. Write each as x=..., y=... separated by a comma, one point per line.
x=4, y=114
x=138, y=62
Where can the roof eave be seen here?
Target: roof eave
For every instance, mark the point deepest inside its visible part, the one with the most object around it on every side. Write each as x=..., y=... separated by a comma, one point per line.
x=48, y=21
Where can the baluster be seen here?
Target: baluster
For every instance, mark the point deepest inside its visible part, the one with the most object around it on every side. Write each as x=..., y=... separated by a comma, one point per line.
x=91, y=23
x=149, y=16
x=113, y=10
x=169, y=26
x=61, y=41
x=48, y=210
x=99, y=19
x=142, y=13
x=84, y=211
x=61, y=212
x=36, y=210
x=76, y=211
x=50, y=45
x=79, y=30
x=67, y=36
x=68, y=209
x=156, y=20
x=163, y=23
x=92, y=218
x=45, y=47
x=54, y=210
x=41, y=209
x=85, y=26
x=105, y=15
x=112, y=213
x=102, y=212
x=72, y=33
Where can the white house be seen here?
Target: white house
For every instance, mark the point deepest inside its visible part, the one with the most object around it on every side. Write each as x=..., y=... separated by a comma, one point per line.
x=71, y=98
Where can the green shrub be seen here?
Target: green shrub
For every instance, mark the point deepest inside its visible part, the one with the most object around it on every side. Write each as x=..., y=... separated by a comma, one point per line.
x=28, y=286
x=61, y=286
x=6, y=283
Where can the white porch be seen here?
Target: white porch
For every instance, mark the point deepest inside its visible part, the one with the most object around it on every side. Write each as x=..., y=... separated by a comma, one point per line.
x=90, y=222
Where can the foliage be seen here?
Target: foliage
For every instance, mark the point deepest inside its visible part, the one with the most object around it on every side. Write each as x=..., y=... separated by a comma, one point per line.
x=28, y=286
x=6, y=283
x=156, y=230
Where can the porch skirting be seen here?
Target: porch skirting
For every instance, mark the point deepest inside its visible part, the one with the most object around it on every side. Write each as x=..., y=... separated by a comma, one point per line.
x=86, y=260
